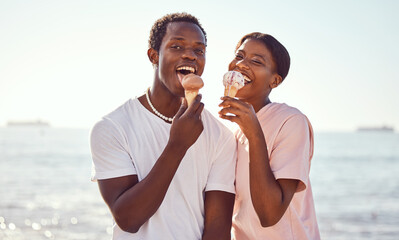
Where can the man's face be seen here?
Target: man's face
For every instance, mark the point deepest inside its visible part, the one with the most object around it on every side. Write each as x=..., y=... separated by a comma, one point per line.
x=182, y=52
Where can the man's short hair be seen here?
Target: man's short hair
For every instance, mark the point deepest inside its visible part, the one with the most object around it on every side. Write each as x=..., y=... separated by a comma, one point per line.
x=158, y=30
x=280, y=55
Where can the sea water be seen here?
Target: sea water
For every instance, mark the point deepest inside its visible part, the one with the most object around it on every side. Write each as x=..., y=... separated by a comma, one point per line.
x=46, y=192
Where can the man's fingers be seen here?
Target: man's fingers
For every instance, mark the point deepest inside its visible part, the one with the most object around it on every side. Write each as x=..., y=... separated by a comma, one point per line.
x=182, y=108
x=192, y=109
x=199, y=109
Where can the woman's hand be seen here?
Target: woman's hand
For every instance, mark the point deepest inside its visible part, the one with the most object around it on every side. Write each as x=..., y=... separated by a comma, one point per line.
x=241, y=113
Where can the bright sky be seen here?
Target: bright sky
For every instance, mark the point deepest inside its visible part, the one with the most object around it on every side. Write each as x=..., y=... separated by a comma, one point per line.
x=71, y=62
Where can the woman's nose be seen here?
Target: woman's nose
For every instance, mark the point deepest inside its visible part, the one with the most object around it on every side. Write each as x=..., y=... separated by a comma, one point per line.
x=242, y=64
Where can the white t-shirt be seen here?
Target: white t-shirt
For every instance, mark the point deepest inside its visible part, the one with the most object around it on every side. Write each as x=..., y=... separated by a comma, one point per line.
x=129, y=140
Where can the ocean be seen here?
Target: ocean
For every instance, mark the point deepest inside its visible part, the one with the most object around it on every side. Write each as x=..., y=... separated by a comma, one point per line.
x=46, y=192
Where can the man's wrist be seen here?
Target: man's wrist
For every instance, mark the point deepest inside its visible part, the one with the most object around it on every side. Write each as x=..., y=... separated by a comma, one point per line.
x=177, y=148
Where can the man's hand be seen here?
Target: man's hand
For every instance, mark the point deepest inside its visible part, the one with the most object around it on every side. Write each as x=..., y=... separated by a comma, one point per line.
x=187, y=125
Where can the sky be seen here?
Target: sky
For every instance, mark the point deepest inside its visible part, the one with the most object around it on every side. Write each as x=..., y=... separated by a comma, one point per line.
x=72, y=62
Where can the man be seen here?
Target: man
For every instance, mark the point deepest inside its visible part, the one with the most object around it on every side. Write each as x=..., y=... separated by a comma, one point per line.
x=165, y=169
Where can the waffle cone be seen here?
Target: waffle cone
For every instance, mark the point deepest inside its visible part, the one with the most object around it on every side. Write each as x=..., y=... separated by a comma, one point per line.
x=230, y=91
x=190, y=95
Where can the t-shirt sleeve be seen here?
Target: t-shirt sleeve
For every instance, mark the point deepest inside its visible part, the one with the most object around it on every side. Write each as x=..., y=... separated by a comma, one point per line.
x=110, y=158
x=222, y=174
x=293, y=149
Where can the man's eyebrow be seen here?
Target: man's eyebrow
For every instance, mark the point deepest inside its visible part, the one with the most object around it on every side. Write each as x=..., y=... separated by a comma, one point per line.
x=183, y=39
x=201, y=43
x=177, y=38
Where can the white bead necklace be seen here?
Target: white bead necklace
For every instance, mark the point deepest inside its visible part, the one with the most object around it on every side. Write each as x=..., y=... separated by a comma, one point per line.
x=156, y=111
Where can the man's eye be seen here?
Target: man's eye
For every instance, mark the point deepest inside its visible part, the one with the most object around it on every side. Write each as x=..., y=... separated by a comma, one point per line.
x=200, y=51
x=176, y=47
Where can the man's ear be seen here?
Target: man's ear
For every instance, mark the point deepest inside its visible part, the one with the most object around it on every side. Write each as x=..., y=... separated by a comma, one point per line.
x=276, y=81
x=153, y=56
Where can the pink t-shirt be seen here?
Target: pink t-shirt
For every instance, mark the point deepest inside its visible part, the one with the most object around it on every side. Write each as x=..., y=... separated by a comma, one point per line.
x=289, y=139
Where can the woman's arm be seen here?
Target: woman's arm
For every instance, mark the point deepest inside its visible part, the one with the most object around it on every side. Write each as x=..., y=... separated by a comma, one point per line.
x=270, y=197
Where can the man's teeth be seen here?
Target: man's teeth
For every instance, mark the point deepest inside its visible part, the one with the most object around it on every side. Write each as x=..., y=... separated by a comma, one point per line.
x=186, y=68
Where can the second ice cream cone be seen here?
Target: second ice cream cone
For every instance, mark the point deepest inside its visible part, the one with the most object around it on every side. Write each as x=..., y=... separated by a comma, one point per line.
x=232, y=82
x=230, y=91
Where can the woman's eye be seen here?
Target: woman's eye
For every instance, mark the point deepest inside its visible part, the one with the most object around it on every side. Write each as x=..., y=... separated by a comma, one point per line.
x=238, y=56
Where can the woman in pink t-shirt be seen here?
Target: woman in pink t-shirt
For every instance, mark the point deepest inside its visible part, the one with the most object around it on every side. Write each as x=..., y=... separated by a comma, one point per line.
x=274, y=197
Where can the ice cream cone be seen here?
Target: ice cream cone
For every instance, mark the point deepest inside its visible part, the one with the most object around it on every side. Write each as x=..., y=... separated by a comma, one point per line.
x=190, y=95
x=191, y=84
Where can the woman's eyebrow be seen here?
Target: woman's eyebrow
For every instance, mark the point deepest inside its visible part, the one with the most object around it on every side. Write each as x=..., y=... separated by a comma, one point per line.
x=261, y=56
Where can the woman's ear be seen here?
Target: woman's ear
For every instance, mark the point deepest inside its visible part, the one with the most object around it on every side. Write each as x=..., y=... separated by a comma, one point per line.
x=153, y=56
x=276, y=81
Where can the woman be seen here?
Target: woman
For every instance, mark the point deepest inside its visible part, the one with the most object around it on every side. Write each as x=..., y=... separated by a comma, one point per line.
x=275, y=145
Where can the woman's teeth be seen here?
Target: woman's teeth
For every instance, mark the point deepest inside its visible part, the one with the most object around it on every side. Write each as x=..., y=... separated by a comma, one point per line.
x=247, y=80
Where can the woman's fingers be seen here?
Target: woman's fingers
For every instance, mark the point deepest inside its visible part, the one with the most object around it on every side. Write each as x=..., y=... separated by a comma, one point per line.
x=231, y=110
x=231, y=118
x=228, y=101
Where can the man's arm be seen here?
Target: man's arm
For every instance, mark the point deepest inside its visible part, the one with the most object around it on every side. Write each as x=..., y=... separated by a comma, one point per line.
x=132, y=202
x=218, y=215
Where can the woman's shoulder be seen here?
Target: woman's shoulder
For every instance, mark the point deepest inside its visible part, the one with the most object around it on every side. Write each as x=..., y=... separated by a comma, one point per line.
x=283, y=108
x=278, y=112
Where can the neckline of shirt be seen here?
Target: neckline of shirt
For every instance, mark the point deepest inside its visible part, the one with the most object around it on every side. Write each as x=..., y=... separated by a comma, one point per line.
x=265, y=108
x=149, y=113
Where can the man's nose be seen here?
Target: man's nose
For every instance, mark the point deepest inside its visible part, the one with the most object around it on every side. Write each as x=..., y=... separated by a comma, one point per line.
x=189, y=54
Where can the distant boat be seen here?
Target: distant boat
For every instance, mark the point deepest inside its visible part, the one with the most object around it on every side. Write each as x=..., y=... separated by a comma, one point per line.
x=376, y=129
x=38, y=123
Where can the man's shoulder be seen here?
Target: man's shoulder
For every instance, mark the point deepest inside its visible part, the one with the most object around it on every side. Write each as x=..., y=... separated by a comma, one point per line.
x=214, y=126
x=116, y=117
x=122, y=110
x=209, y=118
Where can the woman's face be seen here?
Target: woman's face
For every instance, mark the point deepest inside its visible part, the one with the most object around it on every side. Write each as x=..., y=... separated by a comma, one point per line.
x=255, y=62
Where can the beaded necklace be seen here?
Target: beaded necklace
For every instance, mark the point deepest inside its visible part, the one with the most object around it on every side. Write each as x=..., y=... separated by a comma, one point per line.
x=154, y=110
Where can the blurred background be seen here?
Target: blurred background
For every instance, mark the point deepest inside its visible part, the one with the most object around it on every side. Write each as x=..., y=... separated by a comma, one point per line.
x=63, y=65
